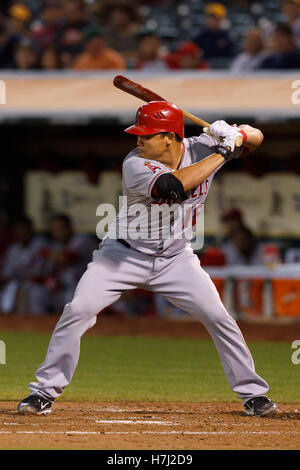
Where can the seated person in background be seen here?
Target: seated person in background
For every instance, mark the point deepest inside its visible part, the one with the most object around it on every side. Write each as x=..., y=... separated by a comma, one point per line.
x=165, y=309
x=25, y=55
x=8, y=42
x=13, y=28
x=291, y=9
x=292, y=255
x=133, y=302
x=19, y=18
x=70, y=35
x=6, y=237
x=120, y=25
x=67, y=257
x=231, y=221
x=150, y=53
x=285, y=54
x=49, y=59
x=213, y=40
x=253, y=54
x=242, y=249
x=44, y=30
x=188, y=56
x=96, y=55
x=21, y=265
x=212, y=256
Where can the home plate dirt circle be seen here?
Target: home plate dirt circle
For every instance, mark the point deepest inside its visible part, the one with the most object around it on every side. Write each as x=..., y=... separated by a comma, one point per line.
x=142, y=425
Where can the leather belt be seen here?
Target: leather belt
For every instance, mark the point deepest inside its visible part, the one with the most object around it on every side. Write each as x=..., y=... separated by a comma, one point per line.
x=123, y=242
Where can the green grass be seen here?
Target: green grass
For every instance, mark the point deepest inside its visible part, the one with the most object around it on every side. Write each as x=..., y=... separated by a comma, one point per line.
x=154, y=369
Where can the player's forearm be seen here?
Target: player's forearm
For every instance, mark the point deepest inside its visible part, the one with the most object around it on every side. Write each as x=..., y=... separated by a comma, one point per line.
x=191, y=176
x=254, y=136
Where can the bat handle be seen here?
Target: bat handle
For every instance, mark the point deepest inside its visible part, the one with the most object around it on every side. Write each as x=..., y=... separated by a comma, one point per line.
x=195, y=119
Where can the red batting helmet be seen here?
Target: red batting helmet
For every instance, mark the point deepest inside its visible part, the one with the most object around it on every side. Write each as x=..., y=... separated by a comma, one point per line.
x=156, y=117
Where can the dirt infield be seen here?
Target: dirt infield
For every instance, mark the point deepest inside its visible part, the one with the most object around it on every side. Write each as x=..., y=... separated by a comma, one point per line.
x=252, y=329
x=144, y=425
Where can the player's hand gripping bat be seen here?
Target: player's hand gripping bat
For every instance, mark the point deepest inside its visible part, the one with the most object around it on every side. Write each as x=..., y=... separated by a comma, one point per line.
x=147, y=95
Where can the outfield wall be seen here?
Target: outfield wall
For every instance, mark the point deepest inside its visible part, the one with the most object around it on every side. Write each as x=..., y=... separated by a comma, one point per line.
x=267, y=97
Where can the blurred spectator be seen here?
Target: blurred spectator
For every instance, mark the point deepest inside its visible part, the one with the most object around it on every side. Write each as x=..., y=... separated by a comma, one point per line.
x=154, y=2
x=292, y=255
x=242, y=249
x=70, y=35
x=253, y=55
x=45, y=30
x=19, y=17
x=8, y=43
x=291, y=9
x=67, y=255
x=165, y=309
x=285, y=54
x=212, y=256
x=21, y=265
x=188, y=56
x=150, y=54
x=25, y=55
x=5, y=237
x=96, y=55
x=132, y=303
x=214, y=40
x=231, y=220
x=120, y=27
x=49, y=59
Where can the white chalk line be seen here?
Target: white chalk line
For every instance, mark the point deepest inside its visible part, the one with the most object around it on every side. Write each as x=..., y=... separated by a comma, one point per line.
x=197, y=433
x=109, y=421
x=144, y=410
x=132, y=421
x=160, y=423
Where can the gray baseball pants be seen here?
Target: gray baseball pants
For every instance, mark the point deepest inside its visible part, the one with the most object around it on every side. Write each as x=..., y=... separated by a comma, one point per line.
x=180, y=279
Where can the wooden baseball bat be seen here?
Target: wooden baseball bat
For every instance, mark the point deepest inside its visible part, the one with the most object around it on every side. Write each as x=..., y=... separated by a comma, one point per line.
x=147, y=95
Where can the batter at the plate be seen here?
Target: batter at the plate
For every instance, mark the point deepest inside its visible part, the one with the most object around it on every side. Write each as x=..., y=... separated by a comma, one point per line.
x=164, y=166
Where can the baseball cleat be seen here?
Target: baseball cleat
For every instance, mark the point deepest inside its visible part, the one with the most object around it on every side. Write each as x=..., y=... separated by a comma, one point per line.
x=34, y=404
x=260, y=406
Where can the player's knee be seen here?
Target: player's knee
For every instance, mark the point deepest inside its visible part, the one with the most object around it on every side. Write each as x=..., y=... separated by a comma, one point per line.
x=82, y=309
x=213, y=315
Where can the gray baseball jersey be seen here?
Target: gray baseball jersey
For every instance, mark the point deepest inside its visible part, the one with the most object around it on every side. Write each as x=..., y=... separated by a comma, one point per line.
x=162, y=232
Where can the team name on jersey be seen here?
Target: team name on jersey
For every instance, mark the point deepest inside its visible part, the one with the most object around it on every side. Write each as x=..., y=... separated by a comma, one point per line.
x=201, y=190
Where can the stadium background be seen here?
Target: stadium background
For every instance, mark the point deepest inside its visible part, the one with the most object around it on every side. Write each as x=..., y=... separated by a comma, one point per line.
x=63, y=145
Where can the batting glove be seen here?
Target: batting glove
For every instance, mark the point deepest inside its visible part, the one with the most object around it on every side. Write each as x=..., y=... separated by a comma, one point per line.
x=225, y=133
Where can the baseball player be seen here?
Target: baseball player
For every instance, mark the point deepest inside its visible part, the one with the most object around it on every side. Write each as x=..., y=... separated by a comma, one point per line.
x=164, y=166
